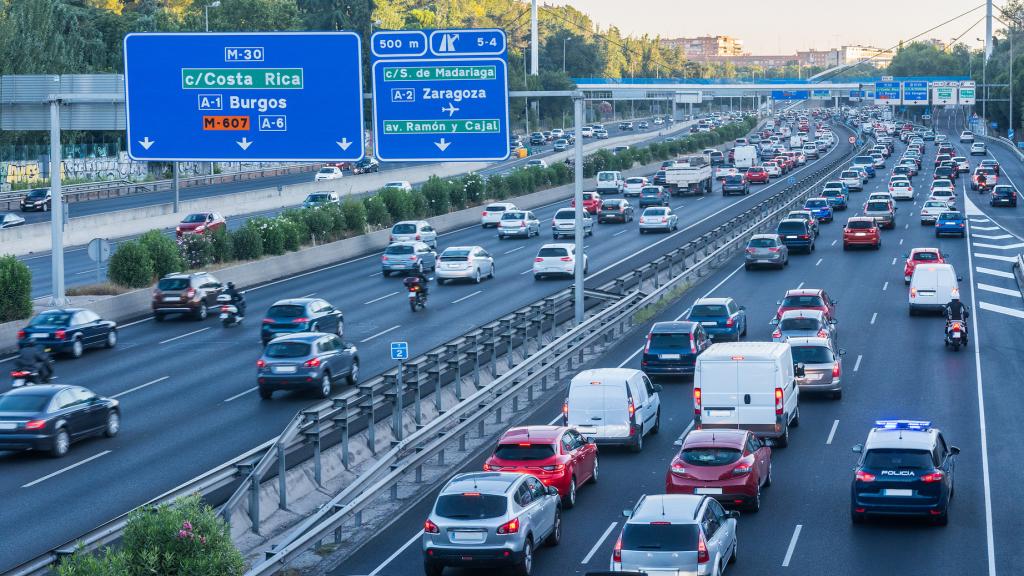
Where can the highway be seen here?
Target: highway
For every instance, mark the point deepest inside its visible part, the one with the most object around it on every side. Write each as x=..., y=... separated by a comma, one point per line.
x=80, y=270
x=895, y=367
x=187, y=389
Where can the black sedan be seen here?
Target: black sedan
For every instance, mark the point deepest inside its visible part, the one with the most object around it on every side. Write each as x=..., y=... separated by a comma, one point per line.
x=36, y=200
x=69, y=331
x=306, y=361
x=50, y=417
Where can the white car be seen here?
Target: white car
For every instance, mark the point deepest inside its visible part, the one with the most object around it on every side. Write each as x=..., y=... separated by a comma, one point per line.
x=492, y=213
x=587, y=132
x=941, y=184
x=536, y=163
x=880, y=196
x=464, y=263
x=633, y=185
x=852, y=180
x=328, y=173
x=773, y=169
x=901, y=190
x=931, y=210
x=947, y=195
x=966, y=136
x=978, y=149
x=556, y=260
x=600, y=133
x=403, y=185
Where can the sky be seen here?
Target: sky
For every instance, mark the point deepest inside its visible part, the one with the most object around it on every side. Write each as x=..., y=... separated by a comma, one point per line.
x=785, y=26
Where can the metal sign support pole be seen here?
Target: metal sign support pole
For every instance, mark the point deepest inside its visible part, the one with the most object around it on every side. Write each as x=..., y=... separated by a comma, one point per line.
x=177, y=188
x=57, y=297
x=578, y=195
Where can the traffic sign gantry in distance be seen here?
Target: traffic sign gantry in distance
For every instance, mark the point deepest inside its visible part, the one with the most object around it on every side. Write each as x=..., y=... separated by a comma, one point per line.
x=440, y=95
x=237, y=97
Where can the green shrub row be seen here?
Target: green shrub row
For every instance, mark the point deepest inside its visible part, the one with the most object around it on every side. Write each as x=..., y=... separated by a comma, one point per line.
x=15, y=289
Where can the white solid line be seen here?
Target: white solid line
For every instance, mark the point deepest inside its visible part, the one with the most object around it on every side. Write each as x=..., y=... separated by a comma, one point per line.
x=395, y=327
x=7, y=359
x=466, y=297
x=832, y=434
x=240, y=394
x=998, y=290
x=906, y=226
x=381, y=298
x=310, y=295
x=989, y=536
x=834, y=242
x=995, y=257
x=65, y=469
x=557, y=418
x=893, y=262
x=873, y=317
x=856, y=365
x=514, y=250
x=397, y=552
x=184, y=335
x=134, y=323
x=526, y=271
x=885, y=286
x=792, y=545
x=818, y=263
x=1001, y=309
x=140, y=387
x=679, y=441
x=604, y=536
x=622, y=232
x=992, y=272
x=375, y=274
x=986, y=228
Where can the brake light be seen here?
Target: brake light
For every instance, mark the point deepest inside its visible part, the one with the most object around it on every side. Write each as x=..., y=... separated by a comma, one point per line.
x=617, y=550
x=702, y=551
x=805, y=236
x=268, y=320
x=647, y=346
x=956, y=327
x=190, y=293
x=261, y=363
x=778, y=401
x=383, y=258
x=522, y=224
x=200, y=228
x=913, y=292
x=936, y=476
x=418, y=237
x=822, y=333
x=565, y=259
x=431, y=528
x=484, y=213
x=696, y=401
x=730, y=323
x=554, y=468
x=60, y=334
x=510, y=527
x=774, y=249
x=300, y=320
x=864, y=476
x=538, y=259
x=312, y=363
x=777, y=333
x=743, y=467
x=19, y=374
x=632, y=409
x=35, y=424
x=565, y=409
x=21, y=334
x=835, y=370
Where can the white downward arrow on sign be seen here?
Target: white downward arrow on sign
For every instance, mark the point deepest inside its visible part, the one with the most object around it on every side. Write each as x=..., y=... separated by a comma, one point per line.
x=442, y=145
x=344, y=143
x=146, y=142
x=244, y=144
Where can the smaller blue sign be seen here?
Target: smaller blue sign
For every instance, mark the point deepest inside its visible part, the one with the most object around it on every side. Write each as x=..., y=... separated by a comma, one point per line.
x=859, y=141
x=791, y=94
x=395, y=43
x=399, y=350
x=791, y=180
x=821, y=94
x=994, y=125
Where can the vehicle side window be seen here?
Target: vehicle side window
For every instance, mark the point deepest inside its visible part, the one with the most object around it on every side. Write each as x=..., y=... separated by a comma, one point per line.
x=428, y=229
x=523, y=496
x=753, y=444
x=537, y=489
x=82, y=395
x=62, y=400
x=717, y=510
x=329, y=345
x=578, y=440
x=91, y=316
x=941, y=445
x=709, y=523
x=648, y=385
x=731, y=307
x=567, y=443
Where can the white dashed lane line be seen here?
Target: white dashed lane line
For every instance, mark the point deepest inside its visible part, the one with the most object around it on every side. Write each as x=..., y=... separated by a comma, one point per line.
x=991, y=272
x=998, y=290
x=1001, y=309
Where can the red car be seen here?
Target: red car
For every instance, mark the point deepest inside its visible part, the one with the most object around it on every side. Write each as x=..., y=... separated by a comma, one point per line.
x=807, y=299
x=200, y=223
x=785, y=162
x=757, y=175
x=556, y=455
x=591, y=202
x=921, y=256
x=731, y=466
x=861, y=231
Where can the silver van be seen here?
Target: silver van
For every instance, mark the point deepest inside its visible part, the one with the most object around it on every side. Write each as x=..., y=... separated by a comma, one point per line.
x=615, y=406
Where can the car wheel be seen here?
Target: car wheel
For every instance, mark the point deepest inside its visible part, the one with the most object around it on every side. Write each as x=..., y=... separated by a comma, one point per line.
x=638, y=442
x=61, y=442
x=266, y=393
x=556, y=533
x=837, y=395
x=325, y=384
x=111, y=338
x=113, y=424
x=77, y=348
x=846, y=246
x=202, y=311
x=755, y=504
x=657, y=423
x=432, y=569
x=476, y=276
x=525, y=567
x=491, y=275
x=353, y=373
x=594, y=476
x=746, y=266
x=768, y=480
x=569, y=500
x=783, y=440
x=879, y=245
x=795, y=423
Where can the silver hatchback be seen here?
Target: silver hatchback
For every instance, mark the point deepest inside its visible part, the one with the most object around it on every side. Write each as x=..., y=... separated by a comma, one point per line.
x=518, y=223
x=564, y=223
x=491, y=519
x=765, y=250
x=465, y=263
x=408, y=257
x=823, y=365
x=414, y=231
x=804, y=324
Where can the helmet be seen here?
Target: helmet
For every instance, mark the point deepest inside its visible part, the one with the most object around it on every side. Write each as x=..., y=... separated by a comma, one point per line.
x=231, y=285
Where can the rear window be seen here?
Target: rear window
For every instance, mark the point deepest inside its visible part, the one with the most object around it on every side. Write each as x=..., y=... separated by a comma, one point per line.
x=878, y=206
x=36, y=194
x=634, y=180
x=799, y=324
x=172, y=284
x=860, y=225
x=650, y=191
x=455, y=256
x=23, y=403
x=606, y=176
x=404, y=229
x=552, y=252
x=566, y=214
x=925, y=256
x=950, y=216
x=51, y=319
x=863, y=160
x=734, y=179
x=287, y=350
x=793, y=227
x=894, y=459
x=761, y=243
x=1003, y=190
x=935, y=204
x=812, y=355
x=850, y=174
x=816, y=204
x=528, y=452
x=668, y=537
x=399, y=249
x=802, y=302
x=709, y=310
x=513, y=216
x=286, y=311
x=496, y=208
x=470, y=506
x=318, y=197
x=668, y=340
x=611, y=204
x=654, y=212
x=710, y=456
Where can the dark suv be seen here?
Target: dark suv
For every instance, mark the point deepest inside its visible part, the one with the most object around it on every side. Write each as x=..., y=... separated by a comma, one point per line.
x=735, y=184
x=191, y=294
x=301, y=315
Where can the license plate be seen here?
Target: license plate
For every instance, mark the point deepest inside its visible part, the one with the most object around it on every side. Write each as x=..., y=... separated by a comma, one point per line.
x=859, y=234
x=172, y=298
x=813, y=377
x=956, y=335
x=707, y=490
x=39, y=335
x=709, y=323
x=898, y=492
x=669, y=356
x=283, y=369
x=223, y=316
x=8, y=425
x=791, y=237
x=467, y=536
x=720, y=413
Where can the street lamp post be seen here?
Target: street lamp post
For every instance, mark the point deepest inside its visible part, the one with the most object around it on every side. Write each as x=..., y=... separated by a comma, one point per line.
x=564, y=40
x=206, y=12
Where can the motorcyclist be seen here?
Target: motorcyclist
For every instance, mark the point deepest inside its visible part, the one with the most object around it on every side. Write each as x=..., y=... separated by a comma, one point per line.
x=956, y=311
x=422, y=281
x=981, y=181
x=33, y=359
x=237, y=298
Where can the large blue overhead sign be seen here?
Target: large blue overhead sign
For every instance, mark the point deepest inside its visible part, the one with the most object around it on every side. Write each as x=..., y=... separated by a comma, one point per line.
x=237, y=97
x=440, y=95
x=887, y=93
x=790, y=94
x=915, y=93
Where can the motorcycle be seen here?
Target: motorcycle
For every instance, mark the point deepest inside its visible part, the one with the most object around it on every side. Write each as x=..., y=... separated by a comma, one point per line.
x=956, y=335
x=417, y=296
x=229, y=315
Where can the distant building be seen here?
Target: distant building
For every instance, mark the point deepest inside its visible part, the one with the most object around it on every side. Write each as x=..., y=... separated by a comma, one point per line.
x=703, y=47
x=877, y=57
x=823, y=58
x=761, y=60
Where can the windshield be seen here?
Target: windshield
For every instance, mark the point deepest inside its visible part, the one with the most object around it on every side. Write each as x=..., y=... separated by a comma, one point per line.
x=654, y=212
x=611, y=205
x=470, y=506
x=650, y=191
x=709, y=310
x=194, y=218
x=51, y=319
x=565, y=214
x=399, y=249
x=286, y=311
x=404, y=229
x=666, y=537
x=860, y=224
x=496, y=208
x=950, y=216
x=850, y=174
x=286, y=349
x=812, y=355
x=37, y=194
x=634, y=180
x=710, y=456
x=670, y=340
x=23, y=403
x=734, y=179
x=327, y=170
x=799, y=324
x=528, y=452
x=935, y=205
x=318, y=198
x=898, y=459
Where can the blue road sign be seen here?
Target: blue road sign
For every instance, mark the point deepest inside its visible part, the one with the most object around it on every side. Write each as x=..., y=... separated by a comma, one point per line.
x=440, y=95
x=887, y=92
x=239, y=97
x=994, y=125
x=859, y=141
x=399, y=350
x=1010, y=133
x=821, y=94
x=791, y=180
x=915, y=92
x=791, y=94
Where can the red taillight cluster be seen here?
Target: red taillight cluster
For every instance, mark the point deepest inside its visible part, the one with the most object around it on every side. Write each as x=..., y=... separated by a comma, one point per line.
x=696, y=401
x=312, y=363
x=835, y=370
x=864, y=476
x=778, y=401
x=744, y=466
x=617, y=550
x=35, y=424
x=431, y=528
x=510, y=527
x=647, y=346
x=730, y=323
x=702, y=551
x=936, y=476
x=21, y=334
x=261, y=363
x=190, y=293
x=60, y=334
x=822, y=333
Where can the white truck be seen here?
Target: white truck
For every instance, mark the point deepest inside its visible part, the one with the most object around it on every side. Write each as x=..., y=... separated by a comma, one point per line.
x=745, y=156
x=796, y=142
x=690, y=175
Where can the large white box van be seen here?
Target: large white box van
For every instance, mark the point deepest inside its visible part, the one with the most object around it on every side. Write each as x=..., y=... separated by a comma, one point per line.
x=610, y=182
x=613, y=406
x=747, y=385
x=932, y=287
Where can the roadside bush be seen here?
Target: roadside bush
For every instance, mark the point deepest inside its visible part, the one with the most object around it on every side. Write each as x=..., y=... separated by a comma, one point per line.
x=338, y=222
x=291, y=232
x=196, y=250
x=297, y=216
x=15, y=289
x=420, y=206
x=398, y=203
x=436, y=192
x=321, y=224
x=223, y=246
x=475, y=188
x=457, y=194
x=377, y=212
x=163, y=252
x=270, y=234
x=355, y=216
x=248, y=243
x=497, y=187
x=562, y=173
x=130, y=266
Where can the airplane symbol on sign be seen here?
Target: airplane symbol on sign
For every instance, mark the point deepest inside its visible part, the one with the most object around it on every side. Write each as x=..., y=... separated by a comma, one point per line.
x=450, y=109
x=448, y=43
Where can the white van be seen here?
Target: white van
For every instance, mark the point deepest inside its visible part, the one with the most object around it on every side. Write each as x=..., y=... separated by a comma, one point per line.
x=613, y=406
x=747, y=385
x=796, y=142
x=932, y=287
x=610, y=182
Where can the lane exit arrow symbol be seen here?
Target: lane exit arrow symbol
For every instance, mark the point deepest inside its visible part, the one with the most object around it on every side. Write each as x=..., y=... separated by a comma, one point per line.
x=146, y=142
x=450, y=109
x=344, y=143
x=442, y=145
x=244, y=144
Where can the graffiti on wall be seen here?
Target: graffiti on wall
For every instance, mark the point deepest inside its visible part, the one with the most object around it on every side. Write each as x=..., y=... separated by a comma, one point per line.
x=118, y=167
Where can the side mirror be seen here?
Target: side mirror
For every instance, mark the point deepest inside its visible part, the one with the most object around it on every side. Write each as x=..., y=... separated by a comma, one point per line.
x=627, y=512
x=858, y=448
x=954, y=450
x=833, y=321
x=743, y=307
x=658, y=388
x=959, y=278
x=552, y=491
x=842, y=351
x=734, y=514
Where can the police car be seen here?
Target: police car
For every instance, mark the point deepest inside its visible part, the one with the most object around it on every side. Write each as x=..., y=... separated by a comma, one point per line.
x=905, y=469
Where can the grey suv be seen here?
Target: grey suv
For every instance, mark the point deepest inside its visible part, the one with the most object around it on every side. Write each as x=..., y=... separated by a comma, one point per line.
x=491, y=519
x=676, y=534
x=192, y=294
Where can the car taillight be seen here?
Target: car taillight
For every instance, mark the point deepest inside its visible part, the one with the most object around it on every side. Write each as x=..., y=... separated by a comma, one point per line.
x=956, y=327
x=190, y=293
x=702, y=551
x=864, y=476
x=778, y=401
x=913, y=292
x=774, y=249
x=418, y=237
x=300, y=320
x=19, y=373
x=312, y=363
x=822, y=333
x=510, y=527
x=553, y=468
x=678, y=469
x=35, y=424
x=484, y=213
x=261, y=363
x=777, y=333
x=835, y=370
x=21, y=334
x=565, y=259
x=431, y=528
x=200, y=228
x=157, y=294
x=617, y=550
x=730, y=323
x=647, y=346
x=565, y=409
x=538, y=259
x=223, y=308
x=268, y=320
x=60, y=334
x=744, y=466
x=936, y=476
x=696, y=401
x=632, y=409
x=522, y=224
x=805, y=236
x=383, y=258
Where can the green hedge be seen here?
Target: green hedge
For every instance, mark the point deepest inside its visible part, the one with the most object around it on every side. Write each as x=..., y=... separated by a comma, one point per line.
x=15, y=289
x=130, y=266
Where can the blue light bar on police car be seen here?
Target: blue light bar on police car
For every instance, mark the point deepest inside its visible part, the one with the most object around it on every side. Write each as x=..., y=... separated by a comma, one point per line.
x=903, y=424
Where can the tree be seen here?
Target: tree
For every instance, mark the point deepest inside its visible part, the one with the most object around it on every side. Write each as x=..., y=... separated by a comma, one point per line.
x=249, y=15
x=336, y=14
x=15, y=289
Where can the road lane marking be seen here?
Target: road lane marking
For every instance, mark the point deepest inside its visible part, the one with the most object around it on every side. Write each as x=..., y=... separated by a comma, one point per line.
x=885, y=287
x=65, y=469
x=893, y=262
x=999, y=247
x=622, y=232
x=1001, y=310
x=992, y=236
x=557, y=419
x=834, y=242
x=240, y=394
x=792, y=545
x=832, y=434
x=381, y=298
x=466, y=297
x=992, y=272
x=134, y=323
x=140, y=387
x=679, y=441
x=998, y=290
x=184, y=335
x=375, y=274
x=873, y=317
x=995, y=257
x=514, y=250
x=856, y=365
x=800, y=285
x=986, y=228
x=389, y=559
x=901, y=241
x=7, y=359
x=604, y=536
x=381, y=333
x=818, y=263
x=526, y=271
x=310, y=295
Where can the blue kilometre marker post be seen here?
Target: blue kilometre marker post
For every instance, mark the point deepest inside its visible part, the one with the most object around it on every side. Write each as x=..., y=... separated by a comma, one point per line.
x=440, y=95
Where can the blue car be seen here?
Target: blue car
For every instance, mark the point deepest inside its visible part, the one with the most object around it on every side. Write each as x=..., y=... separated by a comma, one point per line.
x=672, y=348
x=820, y=207
x=721, y=318
x=796, y=234
x=838, y=195
x=69, y=331
x=951, y=224
x=870, y=169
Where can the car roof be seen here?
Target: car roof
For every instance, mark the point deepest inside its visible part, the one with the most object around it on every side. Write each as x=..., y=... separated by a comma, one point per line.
x=710, y=438
x=559, y=245
x=713, y=301
x=417, y=222
x=62, y=310
x=657, y=507
x=453, y=248
x=765, y=237
x=860, y=219
x=804, y=292
x=803, y=313
x=879, y=438
x=483, y=482
x=532, y=433
x=672, y=327
x=37, y=390
x=307, y=337
x=810, y=341
x=295, y=301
